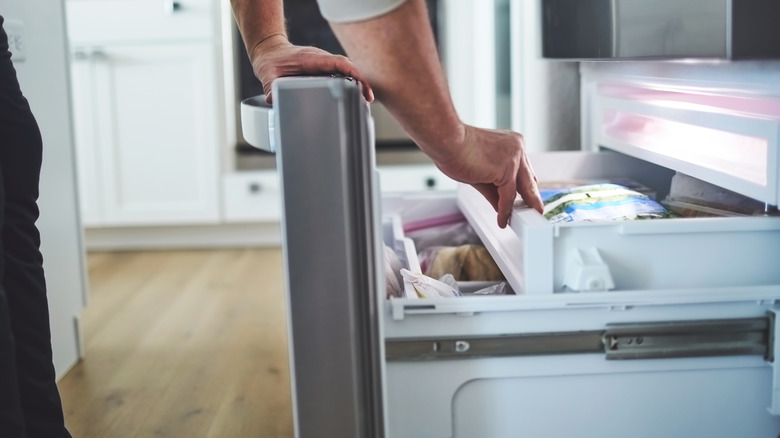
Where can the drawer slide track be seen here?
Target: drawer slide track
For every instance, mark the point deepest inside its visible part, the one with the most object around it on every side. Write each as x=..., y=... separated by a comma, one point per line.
x=652, y=340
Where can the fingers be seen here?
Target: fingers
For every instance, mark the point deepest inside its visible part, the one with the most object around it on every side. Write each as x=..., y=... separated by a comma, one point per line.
x=501, y=198
x=344, y=66
x=297, y=61
x=506, y=203
x=527, y=187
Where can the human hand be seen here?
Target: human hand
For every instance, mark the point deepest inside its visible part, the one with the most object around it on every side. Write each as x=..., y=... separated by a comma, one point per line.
x=276, y=57
x=496, y=164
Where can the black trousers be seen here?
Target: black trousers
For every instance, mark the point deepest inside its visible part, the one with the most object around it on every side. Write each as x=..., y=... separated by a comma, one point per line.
x=30, y=403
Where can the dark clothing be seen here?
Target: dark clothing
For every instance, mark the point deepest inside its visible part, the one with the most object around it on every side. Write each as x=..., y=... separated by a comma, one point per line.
x=30, y=403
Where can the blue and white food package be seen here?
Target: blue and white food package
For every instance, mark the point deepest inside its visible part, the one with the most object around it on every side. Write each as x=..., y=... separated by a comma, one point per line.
x=597, y=203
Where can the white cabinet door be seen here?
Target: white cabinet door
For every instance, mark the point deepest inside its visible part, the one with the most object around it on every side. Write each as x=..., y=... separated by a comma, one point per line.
x=155, y=130
x=86, y=134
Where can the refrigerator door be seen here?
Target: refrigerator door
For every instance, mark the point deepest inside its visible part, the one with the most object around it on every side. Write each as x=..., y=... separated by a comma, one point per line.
x=326, y=165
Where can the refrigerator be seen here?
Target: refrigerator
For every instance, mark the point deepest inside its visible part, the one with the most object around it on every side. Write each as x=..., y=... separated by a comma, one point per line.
x=647, y=328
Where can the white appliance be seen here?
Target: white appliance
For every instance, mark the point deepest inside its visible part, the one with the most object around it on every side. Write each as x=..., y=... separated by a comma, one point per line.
x=682, y=345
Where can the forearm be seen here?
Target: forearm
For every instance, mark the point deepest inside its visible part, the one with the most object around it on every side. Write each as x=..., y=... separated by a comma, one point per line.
x=260, y=21
x=396, y=53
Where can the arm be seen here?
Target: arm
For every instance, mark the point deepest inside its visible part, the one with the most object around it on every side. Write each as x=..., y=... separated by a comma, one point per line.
x=263, y=30
x=396, y=52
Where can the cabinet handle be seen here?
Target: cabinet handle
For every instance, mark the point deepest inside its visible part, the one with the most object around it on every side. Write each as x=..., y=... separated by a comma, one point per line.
x=172, y=6
x=90, y=55
x=98, y=55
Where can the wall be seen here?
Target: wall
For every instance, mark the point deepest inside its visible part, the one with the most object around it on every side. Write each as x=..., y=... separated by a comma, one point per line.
x=544, y=96
x=43, y=76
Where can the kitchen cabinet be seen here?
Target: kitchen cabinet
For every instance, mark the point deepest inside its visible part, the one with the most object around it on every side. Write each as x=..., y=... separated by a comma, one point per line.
x=255, y=196
x=252, y=197
x=146, y=112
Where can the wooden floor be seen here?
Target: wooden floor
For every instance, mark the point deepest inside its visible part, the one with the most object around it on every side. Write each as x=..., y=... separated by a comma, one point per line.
x=182, y=344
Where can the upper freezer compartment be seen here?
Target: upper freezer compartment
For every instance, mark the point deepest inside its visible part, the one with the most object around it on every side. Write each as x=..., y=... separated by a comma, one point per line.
x=722, y=132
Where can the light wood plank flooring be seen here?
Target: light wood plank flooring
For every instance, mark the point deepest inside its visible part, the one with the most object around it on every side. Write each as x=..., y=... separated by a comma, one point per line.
x=182, y=344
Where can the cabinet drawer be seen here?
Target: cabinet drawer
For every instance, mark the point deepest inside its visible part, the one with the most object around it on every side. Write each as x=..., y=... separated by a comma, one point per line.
x=252, y=197
x=413, y=178
x=98, y=22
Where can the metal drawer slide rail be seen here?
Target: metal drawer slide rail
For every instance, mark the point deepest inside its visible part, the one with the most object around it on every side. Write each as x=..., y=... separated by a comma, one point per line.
x=652, y=340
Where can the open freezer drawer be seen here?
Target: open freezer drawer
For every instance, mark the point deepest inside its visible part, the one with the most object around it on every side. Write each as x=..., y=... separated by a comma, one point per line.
x=680, y=360
x=538, y=257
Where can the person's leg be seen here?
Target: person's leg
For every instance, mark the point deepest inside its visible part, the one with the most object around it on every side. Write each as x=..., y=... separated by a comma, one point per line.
x=23, y=280
x=11, y=418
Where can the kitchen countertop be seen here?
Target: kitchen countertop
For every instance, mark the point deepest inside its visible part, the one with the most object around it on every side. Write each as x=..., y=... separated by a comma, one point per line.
x=248, y=159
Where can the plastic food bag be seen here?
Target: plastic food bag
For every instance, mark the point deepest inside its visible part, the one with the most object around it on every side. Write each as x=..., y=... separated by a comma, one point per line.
x=448, y=234
x=501, y=288
x=428, y=287
x=691, y=197
x=599, y=202
x=393, y=280
x=466, y=263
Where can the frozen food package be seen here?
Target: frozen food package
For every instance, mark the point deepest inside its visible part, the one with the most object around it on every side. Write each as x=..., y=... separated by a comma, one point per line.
x=598, y=202
x=477, y=288
x=692, y=197
x=427, y=287
x=501, y=288
x=464, y=262
x=450, y=233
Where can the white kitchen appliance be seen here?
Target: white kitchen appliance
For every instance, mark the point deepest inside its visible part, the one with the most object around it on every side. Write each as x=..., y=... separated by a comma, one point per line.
x=657, y=328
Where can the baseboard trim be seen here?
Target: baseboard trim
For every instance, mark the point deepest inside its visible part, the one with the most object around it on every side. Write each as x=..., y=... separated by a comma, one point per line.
x=178, y=237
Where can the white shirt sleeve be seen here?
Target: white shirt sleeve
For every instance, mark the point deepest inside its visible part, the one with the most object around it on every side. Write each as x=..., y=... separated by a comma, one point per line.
x=342, y=11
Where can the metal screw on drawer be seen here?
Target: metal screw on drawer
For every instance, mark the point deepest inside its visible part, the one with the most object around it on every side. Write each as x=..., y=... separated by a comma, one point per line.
x=461, y=346
x=430, y=182
x=255, y=188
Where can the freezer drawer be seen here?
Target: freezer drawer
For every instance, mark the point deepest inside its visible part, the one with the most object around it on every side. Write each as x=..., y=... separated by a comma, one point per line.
x=539, y=258
x=683, y=360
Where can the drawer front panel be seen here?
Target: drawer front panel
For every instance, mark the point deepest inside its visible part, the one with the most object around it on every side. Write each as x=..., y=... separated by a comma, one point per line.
x=413, y=178
x=99, y=22
x=252, y=197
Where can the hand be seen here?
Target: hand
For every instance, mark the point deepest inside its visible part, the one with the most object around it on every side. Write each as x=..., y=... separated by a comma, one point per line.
x=276, y=57
x=495, y=163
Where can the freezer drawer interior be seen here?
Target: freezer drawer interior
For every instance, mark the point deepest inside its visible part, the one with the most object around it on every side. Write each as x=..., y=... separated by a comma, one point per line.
x=515, y=365
x=541, y=258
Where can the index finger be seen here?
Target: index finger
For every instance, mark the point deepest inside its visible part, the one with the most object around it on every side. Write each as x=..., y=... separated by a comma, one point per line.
x=506, y=203
x=527, y=187
x=346, y=67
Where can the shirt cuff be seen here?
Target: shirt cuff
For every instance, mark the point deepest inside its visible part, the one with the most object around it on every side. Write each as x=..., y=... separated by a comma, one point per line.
x=345, y=11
